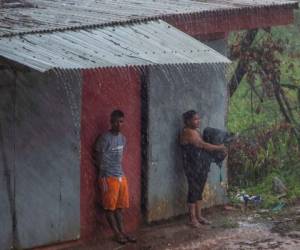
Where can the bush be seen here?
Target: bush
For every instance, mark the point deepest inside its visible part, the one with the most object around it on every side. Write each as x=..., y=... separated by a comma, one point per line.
x=255, y=155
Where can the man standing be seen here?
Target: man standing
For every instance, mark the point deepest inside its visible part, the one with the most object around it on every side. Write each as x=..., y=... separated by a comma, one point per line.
x=113, y=184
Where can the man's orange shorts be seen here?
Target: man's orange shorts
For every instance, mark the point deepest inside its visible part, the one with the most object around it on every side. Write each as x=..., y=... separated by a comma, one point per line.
x=114, y=192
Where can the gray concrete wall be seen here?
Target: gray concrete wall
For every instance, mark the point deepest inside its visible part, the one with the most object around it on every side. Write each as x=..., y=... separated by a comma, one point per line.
x=44, y=160
x=173, y=90
x=6, y=160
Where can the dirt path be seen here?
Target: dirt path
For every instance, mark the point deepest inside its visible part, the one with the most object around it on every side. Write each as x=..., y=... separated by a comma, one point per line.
x=229, y=230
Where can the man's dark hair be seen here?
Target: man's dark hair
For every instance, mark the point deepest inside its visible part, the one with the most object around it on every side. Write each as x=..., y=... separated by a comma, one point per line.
x=116, y=114
x=188, y=115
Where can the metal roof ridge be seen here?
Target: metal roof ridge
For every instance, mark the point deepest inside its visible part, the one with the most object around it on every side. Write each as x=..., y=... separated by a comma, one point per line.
x=292, y=4
x=137, y=67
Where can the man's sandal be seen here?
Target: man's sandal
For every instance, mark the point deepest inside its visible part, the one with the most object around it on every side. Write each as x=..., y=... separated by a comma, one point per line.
x=121, y=239
x=130, y=238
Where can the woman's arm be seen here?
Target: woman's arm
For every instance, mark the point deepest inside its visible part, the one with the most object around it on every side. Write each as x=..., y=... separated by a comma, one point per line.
x=193, y=137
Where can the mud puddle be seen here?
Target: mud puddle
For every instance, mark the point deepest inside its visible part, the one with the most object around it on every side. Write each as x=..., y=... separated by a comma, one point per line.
x=251, y=231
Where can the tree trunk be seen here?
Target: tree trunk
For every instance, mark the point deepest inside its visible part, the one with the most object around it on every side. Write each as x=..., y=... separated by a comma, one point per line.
x=240, y=70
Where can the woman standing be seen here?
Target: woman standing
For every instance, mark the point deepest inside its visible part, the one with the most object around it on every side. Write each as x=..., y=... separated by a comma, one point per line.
x=196, y=160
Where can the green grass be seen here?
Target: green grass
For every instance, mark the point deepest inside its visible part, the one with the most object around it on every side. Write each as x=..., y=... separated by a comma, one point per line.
x=264, y=189
x=290, y=177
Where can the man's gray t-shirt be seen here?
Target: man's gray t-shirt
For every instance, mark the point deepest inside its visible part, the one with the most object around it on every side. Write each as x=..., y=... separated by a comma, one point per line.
x=109, y=150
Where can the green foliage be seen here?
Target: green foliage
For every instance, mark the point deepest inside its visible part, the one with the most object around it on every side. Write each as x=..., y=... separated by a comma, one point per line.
x=267, y=148
x=260, y=151
x=245, y=114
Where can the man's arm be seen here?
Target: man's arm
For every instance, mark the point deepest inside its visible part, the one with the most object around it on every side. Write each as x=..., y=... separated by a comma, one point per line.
x=98, y=157
x=98, y=152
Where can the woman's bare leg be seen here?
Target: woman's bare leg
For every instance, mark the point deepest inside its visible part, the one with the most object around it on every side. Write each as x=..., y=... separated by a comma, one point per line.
x=192, y=215
x=199, y=216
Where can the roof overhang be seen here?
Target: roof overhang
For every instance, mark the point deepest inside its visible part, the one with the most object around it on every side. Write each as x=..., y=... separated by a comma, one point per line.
x=139, y=44
x=216, y=24
x=195, y=17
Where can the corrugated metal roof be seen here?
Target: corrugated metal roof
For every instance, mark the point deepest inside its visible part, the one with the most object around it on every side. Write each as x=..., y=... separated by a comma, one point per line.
x=153, y=42
x=31, y=15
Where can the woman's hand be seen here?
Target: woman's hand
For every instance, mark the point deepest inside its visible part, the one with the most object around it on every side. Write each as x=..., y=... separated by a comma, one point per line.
x=223, y=149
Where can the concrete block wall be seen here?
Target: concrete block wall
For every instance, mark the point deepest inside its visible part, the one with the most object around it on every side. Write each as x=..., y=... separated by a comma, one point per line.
x=173, y=90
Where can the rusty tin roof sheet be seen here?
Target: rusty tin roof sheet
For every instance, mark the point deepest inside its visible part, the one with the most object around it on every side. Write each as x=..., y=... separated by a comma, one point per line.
x=18, y=16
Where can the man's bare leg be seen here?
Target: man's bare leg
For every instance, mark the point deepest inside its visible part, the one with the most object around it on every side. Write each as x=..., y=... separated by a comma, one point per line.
x=119, y=219
x=111, y=218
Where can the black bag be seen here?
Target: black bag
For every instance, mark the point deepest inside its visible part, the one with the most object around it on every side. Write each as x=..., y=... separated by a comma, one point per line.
x=217, y=136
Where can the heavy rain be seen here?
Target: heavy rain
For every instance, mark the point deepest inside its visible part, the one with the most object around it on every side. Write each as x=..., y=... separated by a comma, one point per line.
x=144, y=124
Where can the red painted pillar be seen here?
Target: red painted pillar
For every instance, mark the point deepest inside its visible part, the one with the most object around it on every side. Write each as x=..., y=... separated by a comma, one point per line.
x=104, y=90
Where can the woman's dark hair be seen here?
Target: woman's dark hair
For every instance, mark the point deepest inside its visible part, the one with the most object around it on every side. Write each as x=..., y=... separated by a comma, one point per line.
x=116, y=114
x=188, y=115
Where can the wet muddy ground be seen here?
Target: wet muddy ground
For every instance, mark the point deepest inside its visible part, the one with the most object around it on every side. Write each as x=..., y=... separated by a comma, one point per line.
x=253, y=229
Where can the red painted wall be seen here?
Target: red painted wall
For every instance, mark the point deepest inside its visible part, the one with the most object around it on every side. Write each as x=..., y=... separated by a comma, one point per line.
x=104, y=90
